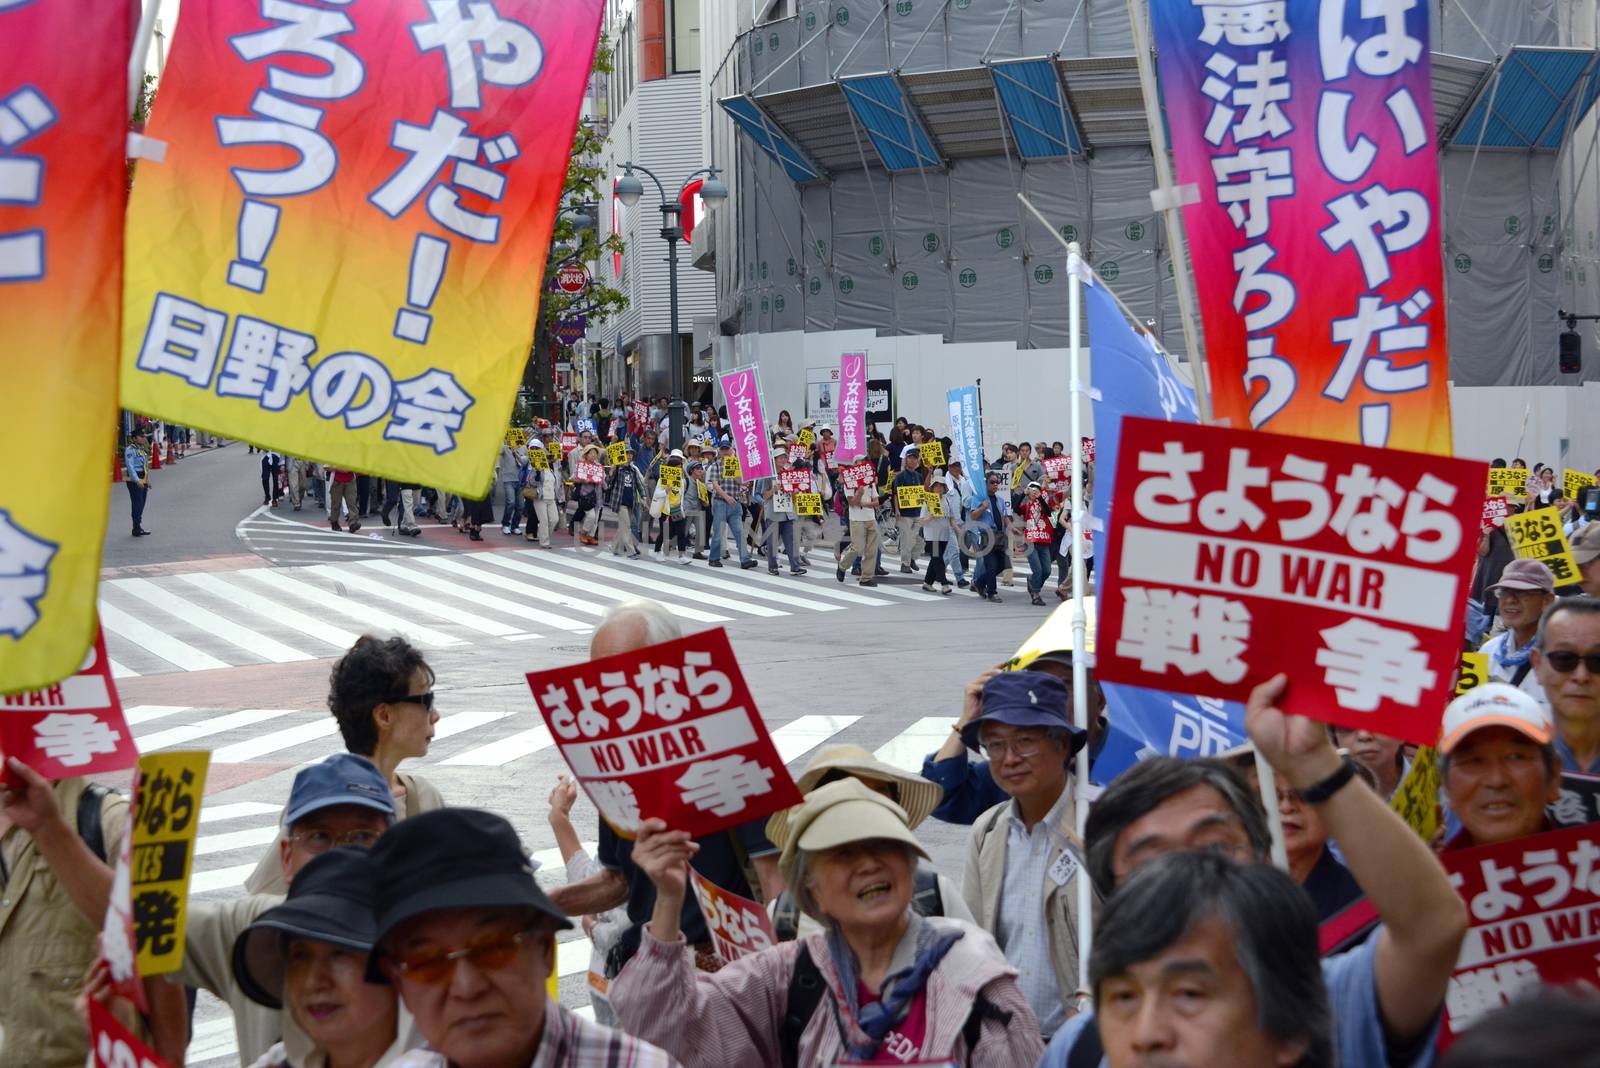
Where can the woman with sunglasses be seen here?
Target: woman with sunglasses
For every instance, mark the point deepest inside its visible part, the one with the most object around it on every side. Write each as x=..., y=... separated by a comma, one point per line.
x=381, y=693
x=308, y=958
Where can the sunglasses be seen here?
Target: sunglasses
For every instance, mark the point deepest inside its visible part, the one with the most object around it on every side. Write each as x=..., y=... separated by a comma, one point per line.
x=423, y=699
x=488, y=953
x=1565, y=662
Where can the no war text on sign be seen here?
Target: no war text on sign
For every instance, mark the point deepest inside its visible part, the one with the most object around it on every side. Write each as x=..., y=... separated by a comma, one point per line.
x=1234, y=555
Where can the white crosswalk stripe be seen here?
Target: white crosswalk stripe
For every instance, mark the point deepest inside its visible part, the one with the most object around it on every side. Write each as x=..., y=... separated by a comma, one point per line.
x=167, y=600
x=906, y=749
x=437, y=584
x=342, y=578
x=367, y=615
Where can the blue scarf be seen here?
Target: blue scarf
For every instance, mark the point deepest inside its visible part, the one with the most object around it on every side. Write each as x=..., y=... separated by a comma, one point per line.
x=1515, y=658
x=899, y=989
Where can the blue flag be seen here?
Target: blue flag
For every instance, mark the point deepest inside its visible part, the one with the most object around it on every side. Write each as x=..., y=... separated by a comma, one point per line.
x=966, y=431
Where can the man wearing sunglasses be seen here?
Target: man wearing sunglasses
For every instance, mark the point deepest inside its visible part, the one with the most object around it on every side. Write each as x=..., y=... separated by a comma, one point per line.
x=1566, y=657
x=468, y=938
x=341, y=801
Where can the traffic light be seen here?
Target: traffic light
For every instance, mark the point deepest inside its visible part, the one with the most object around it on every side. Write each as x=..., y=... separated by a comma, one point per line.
x=1571, y=349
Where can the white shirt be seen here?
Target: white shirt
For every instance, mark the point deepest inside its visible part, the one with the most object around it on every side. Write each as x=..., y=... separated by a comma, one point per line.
x=1499, y=671
x=1020, y=927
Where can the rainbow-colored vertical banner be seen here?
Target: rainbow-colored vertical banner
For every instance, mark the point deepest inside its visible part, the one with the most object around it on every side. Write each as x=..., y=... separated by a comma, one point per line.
x=341, y=255
x=1307, y=131
x=63, y=182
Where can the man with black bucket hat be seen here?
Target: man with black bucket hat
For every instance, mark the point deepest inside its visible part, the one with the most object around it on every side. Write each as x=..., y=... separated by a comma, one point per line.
x=468, y=937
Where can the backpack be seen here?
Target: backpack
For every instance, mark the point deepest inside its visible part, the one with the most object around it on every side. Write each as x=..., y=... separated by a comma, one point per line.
x=90, y=828
x=805, y=994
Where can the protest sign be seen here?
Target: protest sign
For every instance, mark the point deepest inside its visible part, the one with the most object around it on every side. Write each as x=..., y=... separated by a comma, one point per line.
x=1538, y=535
x=1315, y=231
x=934, y=503
x=166, y=814
x=738, y=926
x=538, y=459
x=1016, y=476
x=704, y=490
x=932, y=453
x=1235, y=555
x=1507, y=482
x=113, y=1046
x=1086, y=447
x=617, y=453
x=1579, y=802
x=1495, y=510
x=908, y=496
x=806, y=437
x=667, y=731
x=1416, y=799
x=63, y=190
x=582, y=425
x=341, y=260
x=741, y=388
x=852, y=407
x=1058, y=469
x=795, y=480
x=1573, y=481
x=1531, y=903
x=730, y=467
x=808, y=503
x=589, y=472
x=639, y=417
x=516, y=438
x=798, y=454
x=671, y=476
x=74, y=727
x=1471, y=672
x=856, y=475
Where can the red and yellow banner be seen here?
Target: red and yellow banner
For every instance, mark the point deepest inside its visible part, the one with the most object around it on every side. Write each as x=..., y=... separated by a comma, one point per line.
x=1306, y=133
x=63, y=131
x=341, y=255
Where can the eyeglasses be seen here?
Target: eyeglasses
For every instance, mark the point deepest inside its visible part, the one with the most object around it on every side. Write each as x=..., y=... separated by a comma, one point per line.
x=1024, y=748
x=322, y=841
x=1564, y=662
x=423, y=699
x=488, y=953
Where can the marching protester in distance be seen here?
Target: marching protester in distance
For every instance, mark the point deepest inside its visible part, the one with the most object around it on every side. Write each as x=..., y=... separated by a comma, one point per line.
x=1387, y=992
x=908, y=518
x=958, y=492
x=548, y=492
x=1539, y=1029
x=667, y=505
x=381, y=694
x=728, y=497
x=936, y=535
x=271, y=478
x=623, y=489
x=400, y=498
x=1024, y=859
x=862, y=555
x=55, y=883
x=467, y=938
x=721, y=858
x=476, y=513
x=295, y=479
x=1566, y=658
x=340, y=801
x=778, y=515
x=1498, y=765
x=1202, y=961
x=309, y=956
x=136, y=476
x=878, y=983
x=1038, y=533
x=932, y=893
x=1524, y=590
x=696, y=507
x=1312, y=865
x=585, y=521
x=1380, y=754
x=342, y=492
x=1586, y=553
x=507, y=475
x=987, y=513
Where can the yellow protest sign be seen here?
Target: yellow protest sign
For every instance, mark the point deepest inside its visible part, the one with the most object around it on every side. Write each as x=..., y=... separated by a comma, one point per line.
x=934, y=502
x=166, y=814
x=1472, y=672
x=1573, y=481
x=1417, y=799
x=672, y=478
x=1507, y=482
x=617, y=453
x=806, y=437
x=1016, y=476
x=538, y=459
x=932, y=453
x=808, y=504
x=516, y=438
x=1538, y=535
x=705, y=492
x=908, y=496
x=730, y=467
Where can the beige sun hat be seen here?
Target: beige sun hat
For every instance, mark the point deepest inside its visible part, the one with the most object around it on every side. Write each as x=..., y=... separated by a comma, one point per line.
x=834, y=815
x=916, y=796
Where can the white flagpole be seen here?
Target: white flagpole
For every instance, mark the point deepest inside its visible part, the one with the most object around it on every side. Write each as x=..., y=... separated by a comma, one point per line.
x=1080, y=667
x=141, y=51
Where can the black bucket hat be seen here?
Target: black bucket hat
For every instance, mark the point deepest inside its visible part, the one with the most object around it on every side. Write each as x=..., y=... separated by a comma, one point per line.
x=451, y=858
x=330, y=900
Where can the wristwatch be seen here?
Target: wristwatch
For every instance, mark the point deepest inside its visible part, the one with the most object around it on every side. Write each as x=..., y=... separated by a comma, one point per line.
x=1319, y=792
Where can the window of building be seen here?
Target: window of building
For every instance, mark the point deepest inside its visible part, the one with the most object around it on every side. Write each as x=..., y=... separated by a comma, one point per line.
x=683, y=23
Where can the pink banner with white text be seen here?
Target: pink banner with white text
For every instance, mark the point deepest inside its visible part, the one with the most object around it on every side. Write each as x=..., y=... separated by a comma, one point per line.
x=741, y=388
x=852, y=407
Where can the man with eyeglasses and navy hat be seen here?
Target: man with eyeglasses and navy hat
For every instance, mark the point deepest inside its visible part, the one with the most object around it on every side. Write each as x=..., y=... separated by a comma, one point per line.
x=468, y=938
x=344, y=800
x=1024, y=856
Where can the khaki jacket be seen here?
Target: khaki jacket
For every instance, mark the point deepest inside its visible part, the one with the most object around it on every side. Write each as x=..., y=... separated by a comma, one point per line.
x=47, y=945
x=985, y=872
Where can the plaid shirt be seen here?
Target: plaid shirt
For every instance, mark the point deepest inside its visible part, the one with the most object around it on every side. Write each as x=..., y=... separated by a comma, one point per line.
x=733, y=487
x=570, y=1041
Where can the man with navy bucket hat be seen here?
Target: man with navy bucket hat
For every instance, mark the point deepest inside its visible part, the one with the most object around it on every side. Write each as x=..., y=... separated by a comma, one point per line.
x=1024, y=857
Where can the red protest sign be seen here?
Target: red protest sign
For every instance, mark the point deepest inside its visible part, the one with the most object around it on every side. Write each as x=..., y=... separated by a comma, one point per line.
x=795, y=481
x=1495, y=510
x=1087, y=446
x=668, y=731
x=569, y=441
x=589, y=472
x=113, y=1046
x=1059, y=468
x=798, y=454
x=1534, y=908
x=72, y=728
x=1235, y=555
x=738, y=926
x=857, y=475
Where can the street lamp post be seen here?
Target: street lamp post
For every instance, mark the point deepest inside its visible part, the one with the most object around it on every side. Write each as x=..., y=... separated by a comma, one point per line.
x=712, y=192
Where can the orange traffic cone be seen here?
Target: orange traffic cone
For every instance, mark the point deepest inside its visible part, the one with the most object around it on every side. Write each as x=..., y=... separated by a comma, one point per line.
x=155, y=457
x=170, y=457
x=116, y=468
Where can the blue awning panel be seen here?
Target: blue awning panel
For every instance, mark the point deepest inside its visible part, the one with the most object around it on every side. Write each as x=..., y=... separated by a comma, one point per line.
x=882, y=109
x=1534, y=94
x=1029, y=91
x=770, y=139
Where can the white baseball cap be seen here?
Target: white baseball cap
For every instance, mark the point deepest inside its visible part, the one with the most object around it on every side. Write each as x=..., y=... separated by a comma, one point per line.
x=910, y=450
x=1494, y=704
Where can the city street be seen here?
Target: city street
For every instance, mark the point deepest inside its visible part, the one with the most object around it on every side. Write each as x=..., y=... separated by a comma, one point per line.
x=223, y=626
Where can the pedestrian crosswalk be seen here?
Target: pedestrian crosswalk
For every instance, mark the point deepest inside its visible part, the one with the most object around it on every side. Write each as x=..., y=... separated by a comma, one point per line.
x=289, y=542
x=207, y=620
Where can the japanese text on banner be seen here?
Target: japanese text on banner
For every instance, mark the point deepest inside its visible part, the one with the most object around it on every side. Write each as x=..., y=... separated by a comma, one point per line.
x=1308, y=130
x=63, y=188
x=852, y=407
x=856, y=475
x=668, y=731
x=166, y=816
x=1538, y=535
x=75, y=727
x=341, y=254
x=741, y=389
x=738, y=926
x=1236, y=555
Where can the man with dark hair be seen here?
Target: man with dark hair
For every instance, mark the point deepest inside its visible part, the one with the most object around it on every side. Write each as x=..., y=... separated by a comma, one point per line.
x=1201, y=961
x=1548, y=1028
x=1497, y=764
x=1386, y=993
x=1566, y=659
